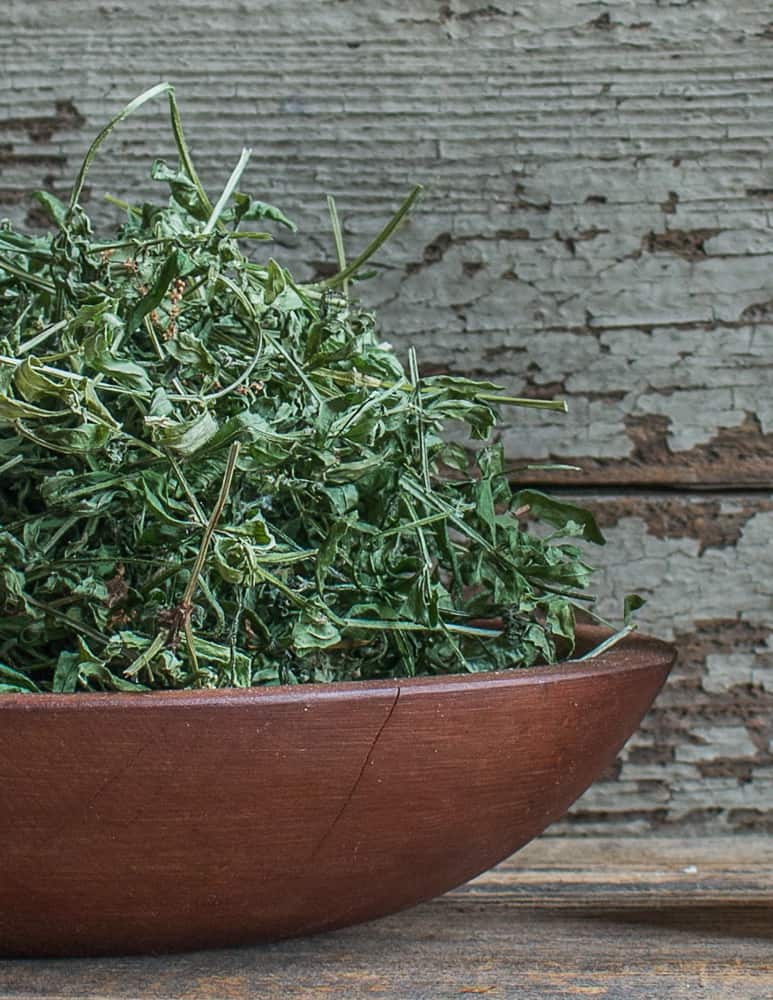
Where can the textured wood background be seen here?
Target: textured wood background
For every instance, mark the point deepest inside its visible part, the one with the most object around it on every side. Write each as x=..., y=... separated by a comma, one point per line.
x=596, y=226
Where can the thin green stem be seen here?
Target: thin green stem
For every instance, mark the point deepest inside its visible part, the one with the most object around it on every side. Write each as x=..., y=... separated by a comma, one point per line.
x=184, y=152
x=376, y=244
x=120, y=203
x=338, y=238
x=65, y=619
x=40, y=337
x=607, y=644
x=225, y=487
x=130, y=108
x=228, y=191
x=26, y=277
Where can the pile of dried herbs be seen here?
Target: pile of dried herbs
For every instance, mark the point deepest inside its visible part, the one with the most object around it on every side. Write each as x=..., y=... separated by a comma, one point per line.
x=212, y=475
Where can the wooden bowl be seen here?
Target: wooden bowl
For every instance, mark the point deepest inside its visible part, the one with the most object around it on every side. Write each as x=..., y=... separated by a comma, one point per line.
x=198, y=819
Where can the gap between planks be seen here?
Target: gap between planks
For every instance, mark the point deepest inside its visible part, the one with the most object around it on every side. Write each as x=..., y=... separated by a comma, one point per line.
x=631, y=871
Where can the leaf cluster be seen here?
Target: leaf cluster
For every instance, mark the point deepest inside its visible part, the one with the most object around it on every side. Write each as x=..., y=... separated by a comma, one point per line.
x=214, y=475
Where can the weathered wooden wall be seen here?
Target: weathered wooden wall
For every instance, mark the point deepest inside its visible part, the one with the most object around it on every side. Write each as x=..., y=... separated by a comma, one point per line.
x=596, y=225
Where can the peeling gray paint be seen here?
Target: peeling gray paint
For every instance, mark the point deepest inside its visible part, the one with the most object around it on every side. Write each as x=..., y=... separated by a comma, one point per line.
x=717, y=708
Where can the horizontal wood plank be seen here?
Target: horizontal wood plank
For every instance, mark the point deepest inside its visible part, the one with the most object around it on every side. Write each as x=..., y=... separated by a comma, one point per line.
x=619, y=872
x=596, y=220
x=619, y=920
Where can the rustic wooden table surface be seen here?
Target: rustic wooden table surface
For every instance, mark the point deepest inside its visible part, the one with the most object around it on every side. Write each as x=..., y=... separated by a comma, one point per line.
x=566, y=917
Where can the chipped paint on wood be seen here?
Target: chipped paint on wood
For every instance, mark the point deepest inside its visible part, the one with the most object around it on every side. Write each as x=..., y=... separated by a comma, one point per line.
x=734, y=457
x=714, y=522
x=703, y=757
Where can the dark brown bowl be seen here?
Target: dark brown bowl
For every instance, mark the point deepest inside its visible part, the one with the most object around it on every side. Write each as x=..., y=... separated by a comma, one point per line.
x=194, y=819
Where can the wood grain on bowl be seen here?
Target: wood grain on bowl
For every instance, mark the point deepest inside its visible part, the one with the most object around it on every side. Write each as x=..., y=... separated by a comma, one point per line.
x=176, y=820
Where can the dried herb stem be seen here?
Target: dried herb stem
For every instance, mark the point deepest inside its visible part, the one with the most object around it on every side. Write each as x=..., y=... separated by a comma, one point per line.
x=377, y=243
x=209, y=530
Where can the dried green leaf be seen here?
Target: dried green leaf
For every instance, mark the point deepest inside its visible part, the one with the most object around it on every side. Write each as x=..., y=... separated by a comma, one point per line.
x=247, y=209
x=183, y=438
x=567, y=517
x=314, y=631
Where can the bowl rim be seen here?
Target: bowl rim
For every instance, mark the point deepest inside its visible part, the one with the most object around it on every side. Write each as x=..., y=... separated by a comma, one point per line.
x=632, y=653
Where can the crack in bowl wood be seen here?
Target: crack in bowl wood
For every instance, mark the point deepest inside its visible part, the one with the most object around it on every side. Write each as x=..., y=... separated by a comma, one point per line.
x=198, y=819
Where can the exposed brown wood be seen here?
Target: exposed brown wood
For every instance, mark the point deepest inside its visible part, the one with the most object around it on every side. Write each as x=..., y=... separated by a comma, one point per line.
x=735, y=457
x=709, y=520
x=623, y=920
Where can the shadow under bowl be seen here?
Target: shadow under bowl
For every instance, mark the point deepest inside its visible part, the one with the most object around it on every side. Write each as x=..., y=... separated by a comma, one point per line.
x=199, y=819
